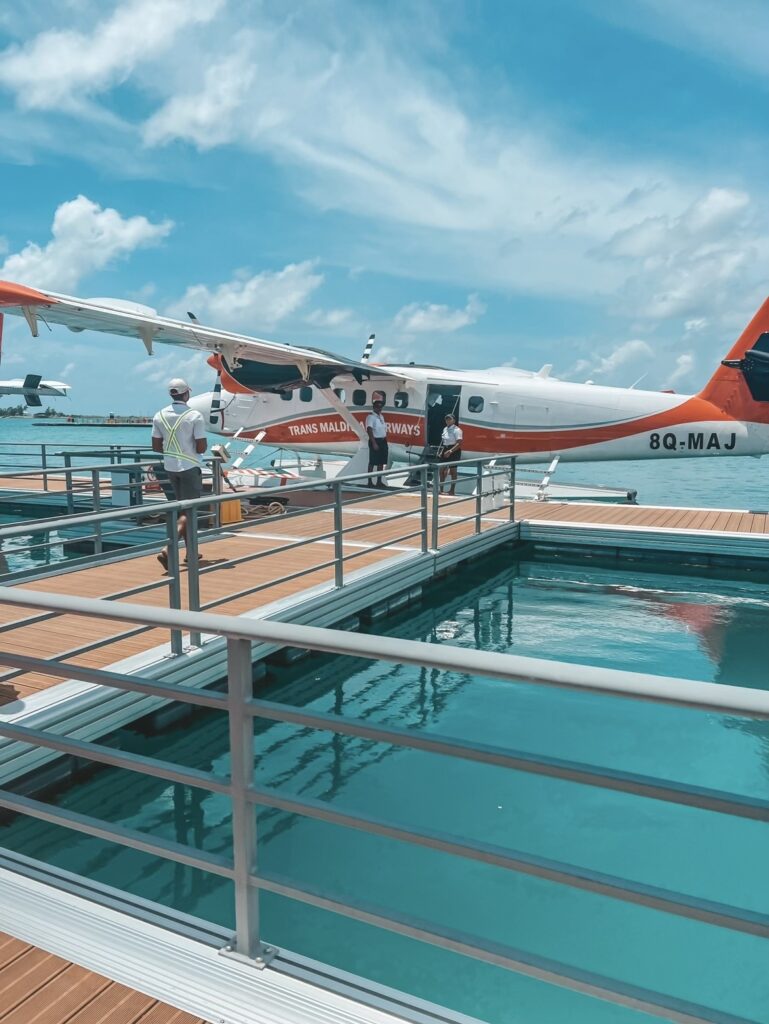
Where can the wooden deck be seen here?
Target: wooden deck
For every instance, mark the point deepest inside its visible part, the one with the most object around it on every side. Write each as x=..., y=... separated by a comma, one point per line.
x=56, y=637
x=701, y=519
x=39, y=988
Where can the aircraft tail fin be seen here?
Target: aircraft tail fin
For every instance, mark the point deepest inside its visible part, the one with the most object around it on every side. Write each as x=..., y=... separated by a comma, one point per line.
x=32, y=400
x=740, y=385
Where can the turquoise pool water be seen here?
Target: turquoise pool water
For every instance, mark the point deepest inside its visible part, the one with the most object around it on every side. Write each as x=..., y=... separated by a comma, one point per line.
x=661, y=624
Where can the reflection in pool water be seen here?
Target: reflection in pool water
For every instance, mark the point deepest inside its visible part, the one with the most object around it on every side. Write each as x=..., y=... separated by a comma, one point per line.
x=666, y=625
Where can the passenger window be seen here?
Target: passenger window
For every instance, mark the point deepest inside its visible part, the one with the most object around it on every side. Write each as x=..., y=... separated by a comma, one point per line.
x=340, y=393
x=359, y=397
x=287, y=395
x=378, y=396
x=401, y=400
x=305, y=394
x=475, y=403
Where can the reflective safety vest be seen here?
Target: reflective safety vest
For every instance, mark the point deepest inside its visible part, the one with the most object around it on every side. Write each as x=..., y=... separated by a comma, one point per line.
x=171, y=444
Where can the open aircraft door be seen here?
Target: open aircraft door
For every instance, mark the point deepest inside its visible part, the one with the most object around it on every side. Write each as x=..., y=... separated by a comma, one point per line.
x=442, y=399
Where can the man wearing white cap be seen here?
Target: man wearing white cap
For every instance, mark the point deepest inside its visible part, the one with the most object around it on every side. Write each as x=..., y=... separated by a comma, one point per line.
x=180, y=434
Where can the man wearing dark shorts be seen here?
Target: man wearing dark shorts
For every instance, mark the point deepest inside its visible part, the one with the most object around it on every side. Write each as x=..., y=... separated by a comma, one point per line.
x=180, y=434
x=378, y=452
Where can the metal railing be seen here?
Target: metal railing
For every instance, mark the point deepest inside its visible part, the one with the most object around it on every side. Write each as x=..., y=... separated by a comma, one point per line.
x=46, y=455
x=433, y=517
x=242, y=708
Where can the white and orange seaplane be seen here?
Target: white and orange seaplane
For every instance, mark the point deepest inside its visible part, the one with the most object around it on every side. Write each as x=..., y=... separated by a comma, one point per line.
x=309, y=400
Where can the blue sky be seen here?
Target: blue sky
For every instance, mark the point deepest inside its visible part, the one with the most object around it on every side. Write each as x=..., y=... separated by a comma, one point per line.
x=483, y=183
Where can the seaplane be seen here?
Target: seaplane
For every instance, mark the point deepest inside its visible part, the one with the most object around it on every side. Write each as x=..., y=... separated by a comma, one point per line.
x=33, y=387
x=309, y=400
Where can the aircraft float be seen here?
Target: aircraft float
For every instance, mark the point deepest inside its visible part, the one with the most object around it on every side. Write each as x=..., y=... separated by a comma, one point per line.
x=306, y=399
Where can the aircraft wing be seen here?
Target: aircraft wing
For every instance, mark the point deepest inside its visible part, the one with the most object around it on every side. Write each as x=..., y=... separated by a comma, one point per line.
x=260, y=364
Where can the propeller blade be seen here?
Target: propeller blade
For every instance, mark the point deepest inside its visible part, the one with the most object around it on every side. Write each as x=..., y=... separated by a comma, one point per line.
x=367, y=350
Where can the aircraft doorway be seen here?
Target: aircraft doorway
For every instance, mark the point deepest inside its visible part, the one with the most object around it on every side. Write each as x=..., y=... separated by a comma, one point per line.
x=442, y=399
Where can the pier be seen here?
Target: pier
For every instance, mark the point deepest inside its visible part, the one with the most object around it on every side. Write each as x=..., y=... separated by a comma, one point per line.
x=104, y=637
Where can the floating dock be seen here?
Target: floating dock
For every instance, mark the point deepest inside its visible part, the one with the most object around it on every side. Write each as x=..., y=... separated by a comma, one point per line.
x=349, y=557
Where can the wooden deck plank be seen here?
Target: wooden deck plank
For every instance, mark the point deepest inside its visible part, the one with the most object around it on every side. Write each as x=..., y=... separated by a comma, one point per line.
x=37, y=987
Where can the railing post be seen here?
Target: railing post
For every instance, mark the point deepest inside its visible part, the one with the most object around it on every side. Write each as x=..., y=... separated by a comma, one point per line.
x=478, y=496
x=338, y=537
x=68, y=484
x=436, y=508
x=193, y=578
x=96, y=484
x=244, y=837
x=216, y=486
x=44, y=464
x=512, y=488
x=174, y=583
x=424, y=508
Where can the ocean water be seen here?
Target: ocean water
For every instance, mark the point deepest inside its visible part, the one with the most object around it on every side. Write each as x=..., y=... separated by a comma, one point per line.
x=718, y=482
x=654, y=623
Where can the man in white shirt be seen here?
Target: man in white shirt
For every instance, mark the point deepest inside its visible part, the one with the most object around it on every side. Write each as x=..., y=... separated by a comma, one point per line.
x=378, y=453
x=451, y=450
x=180, y=434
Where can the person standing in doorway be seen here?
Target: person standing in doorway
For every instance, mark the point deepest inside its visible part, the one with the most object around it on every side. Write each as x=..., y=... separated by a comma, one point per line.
x=451, y=450
x=179, y=433
x=378, y=453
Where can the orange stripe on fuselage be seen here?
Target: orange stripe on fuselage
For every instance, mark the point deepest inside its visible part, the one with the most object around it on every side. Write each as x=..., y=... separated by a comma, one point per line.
x=408, y=430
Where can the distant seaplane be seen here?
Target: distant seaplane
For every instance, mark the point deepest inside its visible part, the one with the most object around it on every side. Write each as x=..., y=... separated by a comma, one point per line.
x=33, y=387
x=307, y=399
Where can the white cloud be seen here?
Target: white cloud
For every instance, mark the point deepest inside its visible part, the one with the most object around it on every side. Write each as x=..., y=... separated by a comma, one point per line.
x=59, y=68
x=251, y=302
x=695, y=325
x=67, y=370
x=158, y=370
x=627, y=354
x=208, y=118
x=417, y=318
x=736, y=33
x=329, y=317
x=685, y=364
x=689, y=263
x=84, y=238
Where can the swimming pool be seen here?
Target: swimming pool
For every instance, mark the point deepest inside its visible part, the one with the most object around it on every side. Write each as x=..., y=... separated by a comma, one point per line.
x=653, y=623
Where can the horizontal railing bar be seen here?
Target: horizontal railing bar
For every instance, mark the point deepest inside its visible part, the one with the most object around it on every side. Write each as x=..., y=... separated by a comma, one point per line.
x=151, y=766
x=386, y=544
x=511, y=667
x=266, y=586
x=104, y=467
x=501, y=757
x=519, y=961
x=413, y=513
x=612, y=886
x=256, y=555
x=73, y=652
x=131, y=684
x=113, y=833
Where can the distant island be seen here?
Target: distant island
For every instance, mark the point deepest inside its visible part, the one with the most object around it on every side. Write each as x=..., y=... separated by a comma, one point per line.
x=21, y=410
x=75, y=419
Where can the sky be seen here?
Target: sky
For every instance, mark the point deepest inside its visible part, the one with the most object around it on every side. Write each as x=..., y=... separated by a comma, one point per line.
x=480, y=183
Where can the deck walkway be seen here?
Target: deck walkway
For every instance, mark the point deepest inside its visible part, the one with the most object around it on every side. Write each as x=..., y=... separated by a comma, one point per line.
x=39, y=988
x=59, y=636
x=63, y=637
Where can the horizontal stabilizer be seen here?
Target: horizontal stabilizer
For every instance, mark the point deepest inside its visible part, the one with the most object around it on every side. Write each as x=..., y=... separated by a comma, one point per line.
x=32, y=399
